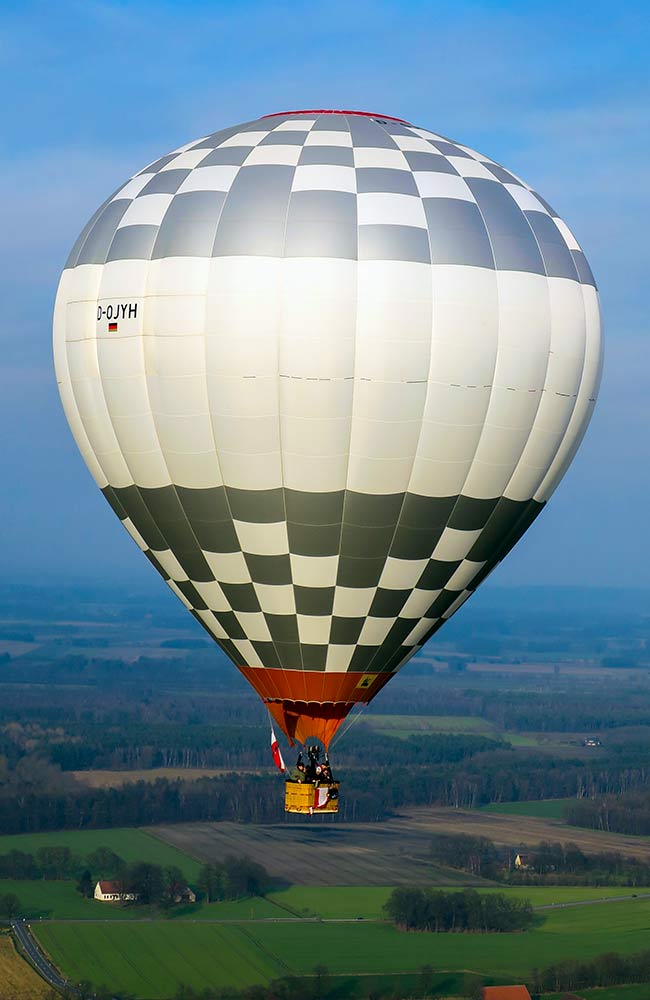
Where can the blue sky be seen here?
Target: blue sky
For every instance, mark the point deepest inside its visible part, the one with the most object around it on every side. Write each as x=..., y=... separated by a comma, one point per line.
x=558, y=92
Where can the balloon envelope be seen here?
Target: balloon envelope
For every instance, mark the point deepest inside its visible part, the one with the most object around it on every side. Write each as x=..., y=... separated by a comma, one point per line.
x=326, y=367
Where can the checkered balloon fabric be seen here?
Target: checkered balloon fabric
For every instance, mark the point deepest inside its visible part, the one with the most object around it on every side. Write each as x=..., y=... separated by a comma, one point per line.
x=326, y=367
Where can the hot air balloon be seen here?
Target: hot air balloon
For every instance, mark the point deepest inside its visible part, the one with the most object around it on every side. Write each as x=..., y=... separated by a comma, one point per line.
x=326, y=367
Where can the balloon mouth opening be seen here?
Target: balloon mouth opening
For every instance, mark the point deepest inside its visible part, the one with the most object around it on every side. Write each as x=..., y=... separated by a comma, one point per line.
x=312, y=703
x=303, y=721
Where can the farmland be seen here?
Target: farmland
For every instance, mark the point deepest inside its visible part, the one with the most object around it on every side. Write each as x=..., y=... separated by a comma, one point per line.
x=542, y=808
x=406, y=725
x=131, y=845
x=395, y=851
x=150, y=959
x=115, y=779
x=59, y=900
x=18, y=981
x=319, y=853
x=350, y=902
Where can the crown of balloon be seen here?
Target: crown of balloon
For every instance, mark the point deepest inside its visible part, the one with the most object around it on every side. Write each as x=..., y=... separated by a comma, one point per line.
x=336, y=111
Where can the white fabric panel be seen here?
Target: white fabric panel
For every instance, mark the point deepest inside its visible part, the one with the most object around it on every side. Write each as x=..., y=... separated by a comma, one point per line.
x=171, y=565
x=186, y=160
x=338, y=658
x=324, y=177
x=254, y=625
x=431, y=184
x=418, y=603
x=91, y=407
x=228, y=567
x=401, y=574
x=454, y=544
x=68, y=401
x=83, y=282
x=213, y=596
x=586, y=396
x=317, y=571
x=324, y=137
x=262, y=539
x=314, y=628
x=374, y=631
x=470, y=167
x=147, y=210
x=245, y=138
x=171, y=315
x=323, y=308
x=133, y=187
x=176, y=276
x=279, y=600
x=288, y=155
x=216, y=178
x=295, y=125
x=365, y=156
x=352, y=602
x=557, y=400
x=464, y=574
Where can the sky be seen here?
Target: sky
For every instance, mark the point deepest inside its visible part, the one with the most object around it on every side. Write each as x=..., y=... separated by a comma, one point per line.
x=557, y=92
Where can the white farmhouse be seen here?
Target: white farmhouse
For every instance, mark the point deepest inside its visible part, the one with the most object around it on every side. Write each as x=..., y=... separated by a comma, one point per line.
x=113, y=892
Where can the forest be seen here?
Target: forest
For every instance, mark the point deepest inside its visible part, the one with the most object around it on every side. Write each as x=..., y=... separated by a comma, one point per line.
x=37, y=795
x=438, y=911
x=628, y=812
x=610, y=969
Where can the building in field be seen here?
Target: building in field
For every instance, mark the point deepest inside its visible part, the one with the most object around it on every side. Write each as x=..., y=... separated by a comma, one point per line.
x=524, y=861
x=182, y=893
x=113, y=892
x=505, y=993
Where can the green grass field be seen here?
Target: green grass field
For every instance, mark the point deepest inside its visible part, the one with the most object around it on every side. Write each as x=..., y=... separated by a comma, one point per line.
x=151, y=959
x=132, y=845
x=407, y=725
x=373, y=947
x=544, y=808
x=59, y=900
x=348, y=902
x=50, y=900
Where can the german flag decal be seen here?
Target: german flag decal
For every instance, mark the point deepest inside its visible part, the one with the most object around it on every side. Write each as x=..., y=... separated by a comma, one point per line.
x=112, y=327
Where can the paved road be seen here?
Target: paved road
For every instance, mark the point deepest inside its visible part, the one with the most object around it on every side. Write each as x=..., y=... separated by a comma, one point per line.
x=592, y=902
x=36, y=957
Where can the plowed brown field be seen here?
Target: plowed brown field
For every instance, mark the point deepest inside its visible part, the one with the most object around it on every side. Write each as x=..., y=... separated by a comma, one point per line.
x=394, y=852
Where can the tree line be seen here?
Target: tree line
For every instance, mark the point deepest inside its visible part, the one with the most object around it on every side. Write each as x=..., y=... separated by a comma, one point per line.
x=138, y=746
x=38, y=797
x=626, y=813
x=436, y=910
x=233, y=878
x=151, y=884
x=549, y=863
x=609, y=969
